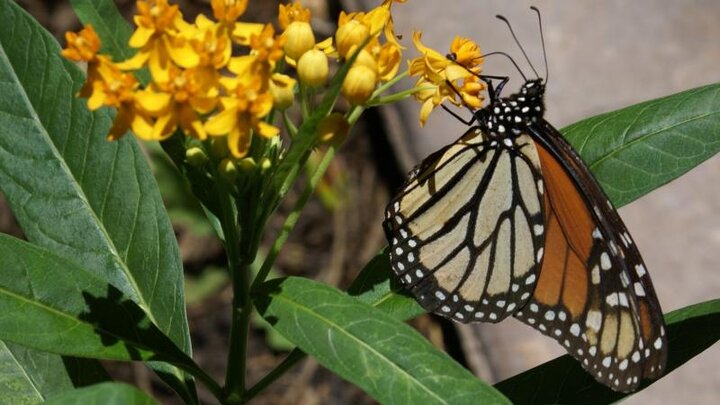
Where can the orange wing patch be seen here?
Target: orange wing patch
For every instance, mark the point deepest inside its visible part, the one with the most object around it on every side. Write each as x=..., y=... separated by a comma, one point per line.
x=568, y=241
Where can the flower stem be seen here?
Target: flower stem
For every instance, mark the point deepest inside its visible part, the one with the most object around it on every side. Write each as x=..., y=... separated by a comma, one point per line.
x=241, y=306
x=293, y=217
x=293, y=358
x=390, y=83
x=395, y=97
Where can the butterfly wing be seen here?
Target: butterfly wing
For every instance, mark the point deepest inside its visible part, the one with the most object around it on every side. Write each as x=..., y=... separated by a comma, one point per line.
x=466, y=231
x=593, y=293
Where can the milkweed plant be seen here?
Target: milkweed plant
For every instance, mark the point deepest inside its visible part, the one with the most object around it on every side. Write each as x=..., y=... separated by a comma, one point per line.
x=239, y=107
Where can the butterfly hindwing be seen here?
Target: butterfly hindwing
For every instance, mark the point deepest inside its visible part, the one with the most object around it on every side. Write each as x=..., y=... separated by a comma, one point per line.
x=466, y=231
x=592, y=295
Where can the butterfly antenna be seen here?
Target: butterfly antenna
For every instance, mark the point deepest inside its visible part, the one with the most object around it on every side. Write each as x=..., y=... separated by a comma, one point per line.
x=509, y=58
x=542, y=38
x=500, y=17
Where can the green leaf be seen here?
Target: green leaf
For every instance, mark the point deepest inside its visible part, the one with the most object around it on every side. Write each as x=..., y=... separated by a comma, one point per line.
x=28, y=376
x=376, y=286
x=110, y=393
x=86, y=199
x=690, y=331
x=390, y=360
x=637, y=149
x=51, y=304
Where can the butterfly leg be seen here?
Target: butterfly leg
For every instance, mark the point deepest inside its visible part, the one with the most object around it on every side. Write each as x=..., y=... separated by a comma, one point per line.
x=494, y=92
x=459, y=118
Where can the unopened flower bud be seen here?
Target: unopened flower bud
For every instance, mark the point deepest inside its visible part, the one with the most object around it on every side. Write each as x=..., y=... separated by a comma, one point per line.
x=351, y=33
x=299, y=38
x=333, y=129
x=196, y=156
x=247, y=164
x=228, y=170
x=364, y=58
x=265, y=164
x=282, y=89
x=359, y=84
x=313, y=68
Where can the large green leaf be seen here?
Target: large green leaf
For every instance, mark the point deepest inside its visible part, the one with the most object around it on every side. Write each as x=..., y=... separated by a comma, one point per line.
x=387, y=358
x=637, y=149
x=690, y=331
x=52, y=304
x=106, y=394
x=86, y=199
x=29, y=376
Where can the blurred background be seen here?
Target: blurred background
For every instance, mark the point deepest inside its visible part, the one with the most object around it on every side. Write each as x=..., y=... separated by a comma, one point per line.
x=602, y=56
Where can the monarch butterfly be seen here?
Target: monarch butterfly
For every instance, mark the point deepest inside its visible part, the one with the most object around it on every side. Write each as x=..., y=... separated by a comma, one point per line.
x=508, y=220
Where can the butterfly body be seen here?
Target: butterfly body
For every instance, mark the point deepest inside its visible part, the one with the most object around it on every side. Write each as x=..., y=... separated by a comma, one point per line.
x=508, y=220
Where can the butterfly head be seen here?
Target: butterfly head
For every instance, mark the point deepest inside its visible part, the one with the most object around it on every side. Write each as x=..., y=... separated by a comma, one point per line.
x=513, y=114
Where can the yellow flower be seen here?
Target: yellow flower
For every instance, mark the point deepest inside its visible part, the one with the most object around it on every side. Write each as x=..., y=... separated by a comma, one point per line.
x=312, y=68
x=117, y=89
x=359, y=84
x=282, y=88
x=290, y=13
x=241, y=116
x=161, y=38
x=387, y=59
x=82, y=46
x=299, y=38
x=471, y=91
x=177, y=102
x=467, y=53
x=351, y=33
x=257, y=67
x=228, y=11
x=266, y=46
x=211, y=43
x=442, y=78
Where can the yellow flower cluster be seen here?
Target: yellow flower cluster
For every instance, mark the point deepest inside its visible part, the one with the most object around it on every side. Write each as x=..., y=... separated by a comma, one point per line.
x=376, y=62
x=201, y=87
x=447, y=79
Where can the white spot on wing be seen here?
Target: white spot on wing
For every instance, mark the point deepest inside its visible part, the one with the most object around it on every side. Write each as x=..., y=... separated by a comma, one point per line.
x=594, y=320
x=605, y=261
x=639, y=290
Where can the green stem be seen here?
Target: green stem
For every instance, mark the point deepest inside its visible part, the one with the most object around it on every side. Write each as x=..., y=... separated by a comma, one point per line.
x=289, y=125
x=293, y=358
x=355, y=114
x=241, y=305
x=293, y=217
x=390, y=83
x=304, y=102
x=192, y=368
x=395, y=97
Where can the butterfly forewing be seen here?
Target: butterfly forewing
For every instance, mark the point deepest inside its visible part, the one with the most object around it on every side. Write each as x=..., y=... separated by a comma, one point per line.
x=470, y=250
x=593, y=295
